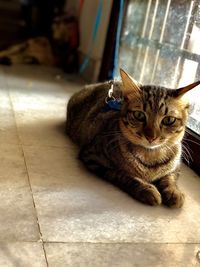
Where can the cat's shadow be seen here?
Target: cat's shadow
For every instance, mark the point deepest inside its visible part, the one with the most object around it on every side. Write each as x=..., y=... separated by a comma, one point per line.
x=61, y=128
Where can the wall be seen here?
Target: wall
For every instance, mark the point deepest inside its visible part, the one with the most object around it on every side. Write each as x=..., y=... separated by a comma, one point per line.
x=86, y=23
x=9, y=22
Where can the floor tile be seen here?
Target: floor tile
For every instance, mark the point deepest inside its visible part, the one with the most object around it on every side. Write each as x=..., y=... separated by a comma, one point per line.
x=21, y=254
x=3, y=83
x=40, y=108
x=17, y=215
x=75, y=206
x=35, y=79
x=117, y=255
x=84, y=221
x=8, y=130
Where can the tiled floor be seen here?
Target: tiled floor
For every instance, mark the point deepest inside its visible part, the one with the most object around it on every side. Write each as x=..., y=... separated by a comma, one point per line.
x=54, y=213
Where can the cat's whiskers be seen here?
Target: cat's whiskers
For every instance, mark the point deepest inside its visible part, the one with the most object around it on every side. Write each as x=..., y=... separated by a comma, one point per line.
x=185, y=157
x=186, y=152
x=114, y=133
x=169, y=148
x=118, y=140
x=192, y=141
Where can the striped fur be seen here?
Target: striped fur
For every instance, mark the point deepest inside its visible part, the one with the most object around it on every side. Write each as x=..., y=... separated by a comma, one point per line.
x=119, y=148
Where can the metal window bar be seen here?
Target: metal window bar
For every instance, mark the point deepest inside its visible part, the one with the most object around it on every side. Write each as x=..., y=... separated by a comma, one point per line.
x=183, y=44
x=148, y=43
x=160, y=40
x=164, y=46
x=186, y=37
x=149, y=37
x=143, y=31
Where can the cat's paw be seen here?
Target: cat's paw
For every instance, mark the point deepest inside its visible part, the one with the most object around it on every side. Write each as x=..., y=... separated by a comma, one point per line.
x=150, y=195
x=173, y=197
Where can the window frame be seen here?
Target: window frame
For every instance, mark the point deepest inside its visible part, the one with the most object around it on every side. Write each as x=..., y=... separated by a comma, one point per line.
x=193, y=145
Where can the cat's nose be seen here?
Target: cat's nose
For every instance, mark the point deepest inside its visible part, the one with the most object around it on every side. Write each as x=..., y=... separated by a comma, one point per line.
x=150, y=138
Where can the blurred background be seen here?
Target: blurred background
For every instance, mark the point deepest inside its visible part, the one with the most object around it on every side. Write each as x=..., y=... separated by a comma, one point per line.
x=21, y=19
x=24, y=19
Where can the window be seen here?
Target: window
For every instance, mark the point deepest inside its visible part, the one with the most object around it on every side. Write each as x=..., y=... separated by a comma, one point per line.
x=160, y=45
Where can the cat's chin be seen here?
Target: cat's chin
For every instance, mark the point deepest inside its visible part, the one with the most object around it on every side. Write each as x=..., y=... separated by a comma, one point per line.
x=151, y=146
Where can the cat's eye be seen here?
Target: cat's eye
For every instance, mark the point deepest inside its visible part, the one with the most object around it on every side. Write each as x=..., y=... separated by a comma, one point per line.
x=167, y=121
x=139, y=115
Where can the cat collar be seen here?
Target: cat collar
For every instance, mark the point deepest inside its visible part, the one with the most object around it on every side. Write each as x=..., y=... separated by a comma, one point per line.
x=111, y=102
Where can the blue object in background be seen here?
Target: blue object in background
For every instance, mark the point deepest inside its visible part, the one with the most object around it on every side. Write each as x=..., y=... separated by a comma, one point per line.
x=94, y=35
x=114, y=70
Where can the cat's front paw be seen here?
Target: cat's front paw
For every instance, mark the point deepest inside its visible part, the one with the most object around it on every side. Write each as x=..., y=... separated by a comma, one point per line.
x=173, y=197
x=150, y=195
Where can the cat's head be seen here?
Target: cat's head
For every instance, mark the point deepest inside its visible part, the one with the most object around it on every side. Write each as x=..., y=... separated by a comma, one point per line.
x=153, y=116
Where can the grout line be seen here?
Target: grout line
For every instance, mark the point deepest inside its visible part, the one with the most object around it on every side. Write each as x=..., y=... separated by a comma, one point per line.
x=28, y=177
x=122, y=243
x=36, y=213
x=47, y=146
x=102, y=243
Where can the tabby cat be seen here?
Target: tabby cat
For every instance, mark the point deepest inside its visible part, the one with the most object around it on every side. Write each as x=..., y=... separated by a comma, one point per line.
x=135, y=144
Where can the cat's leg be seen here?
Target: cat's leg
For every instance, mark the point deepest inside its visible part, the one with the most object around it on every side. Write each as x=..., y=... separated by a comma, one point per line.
x=171, y=194
x=137, y=188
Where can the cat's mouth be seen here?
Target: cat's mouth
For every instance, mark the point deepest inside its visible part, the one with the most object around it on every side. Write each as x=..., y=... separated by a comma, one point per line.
x=152, y=146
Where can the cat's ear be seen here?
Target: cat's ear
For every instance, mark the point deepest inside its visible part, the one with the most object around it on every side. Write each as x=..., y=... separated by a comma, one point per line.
x=181, y=91
x=130, y=86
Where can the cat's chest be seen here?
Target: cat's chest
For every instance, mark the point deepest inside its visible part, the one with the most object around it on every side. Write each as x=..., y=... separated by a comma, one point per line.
x=151, y=166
